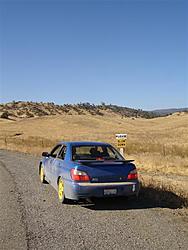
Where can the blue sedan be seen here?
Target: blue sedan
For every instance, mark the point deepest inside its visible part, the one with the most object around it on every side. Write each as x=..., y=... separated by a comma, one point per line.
x=81, y=170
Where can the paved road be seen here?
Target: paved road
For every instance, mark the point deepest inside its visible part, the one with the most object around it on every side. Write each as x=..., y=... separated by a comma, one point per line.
x=32, y=218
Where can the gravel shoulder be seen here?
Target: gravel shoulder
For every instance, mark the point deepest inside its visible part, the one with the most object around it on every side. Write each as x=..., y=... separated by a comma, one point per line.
x=32, y=218
x=13, y=228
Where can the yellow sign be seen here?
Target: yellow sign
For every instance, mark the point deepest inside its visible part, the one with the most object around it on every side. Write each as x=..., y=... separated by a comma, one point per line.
x=121, y=140
x=121, y=144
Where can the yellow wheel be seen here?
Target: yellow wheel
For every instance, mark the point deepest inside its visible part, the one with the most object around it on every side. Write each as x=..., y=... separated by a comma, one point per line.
x=61, y=191
x=42, y=175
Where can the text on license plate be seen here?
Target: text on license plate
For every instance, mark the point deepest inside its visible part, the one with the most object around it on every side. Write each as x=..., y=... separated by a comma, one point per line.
x=110, y=191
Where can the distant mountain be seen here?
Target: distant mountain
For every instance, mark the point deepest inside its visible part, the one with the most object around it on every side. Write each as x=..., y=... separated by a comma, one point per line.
x=169, y=111
x=20, y=109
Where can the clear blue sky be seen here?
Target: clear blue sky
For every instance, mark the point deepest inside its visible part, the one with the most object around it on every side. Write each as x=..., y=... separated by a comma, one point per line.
x=130, y=53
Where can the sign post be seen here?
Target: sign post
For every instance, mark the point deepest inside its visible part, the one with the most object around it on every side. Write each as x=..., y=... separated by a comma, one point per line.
x=121, y=142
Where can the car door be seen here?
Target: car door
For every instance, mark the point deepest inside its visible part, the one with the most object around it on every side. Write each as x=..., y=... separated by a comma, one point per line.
x=58, y=165
x=51, y=160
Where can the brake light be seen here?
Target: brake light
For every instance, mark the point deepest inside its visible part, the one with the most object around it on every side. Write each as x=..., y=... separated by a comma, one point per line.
x=78, y=175
x=132, y=175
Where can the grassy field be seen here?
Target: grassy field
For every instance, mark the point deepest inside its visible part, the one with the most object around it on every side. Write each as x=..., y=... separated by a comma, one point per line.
x=159, y=146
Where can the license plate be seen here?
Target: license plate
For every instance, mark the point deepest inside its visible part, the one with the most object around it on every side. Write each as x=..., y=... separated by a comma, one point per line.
x=110, y=191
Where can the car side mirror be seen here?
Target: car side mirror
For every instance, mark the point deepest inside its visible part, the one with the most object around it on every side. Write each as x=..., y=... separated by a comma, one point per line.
x=45, y=154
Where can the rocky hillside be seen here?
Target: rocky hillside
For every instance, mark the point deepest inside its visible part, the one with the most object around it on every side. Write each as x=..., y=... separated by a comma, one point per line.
x=16, y=110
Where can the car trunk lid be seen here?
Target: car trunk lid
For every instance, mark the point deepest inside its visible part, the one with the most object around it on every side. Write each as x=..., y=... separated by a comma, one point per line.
x=107, y=171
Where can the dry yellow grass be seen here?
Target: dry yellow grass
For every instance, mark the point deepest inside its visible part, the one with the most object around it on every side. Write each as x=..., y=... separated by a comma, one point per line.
x=157, y=145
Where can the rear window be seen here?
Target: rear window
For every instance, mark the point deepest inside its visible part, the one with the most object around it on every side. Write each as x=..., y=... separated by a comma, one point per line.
x=94, y=152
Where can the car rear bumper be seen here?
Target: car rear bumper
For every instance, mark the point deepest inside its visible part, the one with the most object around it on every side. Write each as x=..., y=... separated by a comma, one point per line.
x=80, y=190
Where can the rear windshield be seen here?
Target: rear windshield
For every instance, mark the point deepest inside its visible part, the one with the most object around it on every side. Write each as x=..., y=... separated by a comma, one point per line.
x=93, y=152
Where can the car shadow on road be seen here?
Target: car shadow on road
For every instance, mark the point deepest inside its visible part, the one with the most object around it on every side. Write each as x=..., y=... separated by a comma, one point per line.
x=148, y=198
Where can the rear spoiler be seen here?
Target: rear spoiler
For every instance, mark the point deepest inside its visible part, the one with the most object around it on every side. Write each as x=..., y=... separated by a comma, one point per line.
x=103, y=161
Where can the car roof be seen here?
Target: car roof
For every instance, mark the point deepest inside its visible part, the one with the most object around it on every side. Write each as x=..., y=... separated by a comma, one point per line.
x=83, y=143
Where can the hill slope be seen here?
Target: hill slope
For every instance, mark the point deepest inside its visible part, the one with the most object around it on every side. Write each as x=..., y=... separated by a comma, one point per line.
x=158, y=144
x=35, y=109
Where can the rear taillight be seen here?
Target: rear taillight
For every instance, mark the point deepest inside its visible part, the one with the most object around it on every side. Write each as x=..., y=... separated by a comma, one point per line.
x=78, y=175
x=132, y=175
